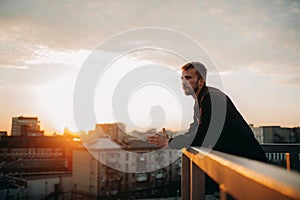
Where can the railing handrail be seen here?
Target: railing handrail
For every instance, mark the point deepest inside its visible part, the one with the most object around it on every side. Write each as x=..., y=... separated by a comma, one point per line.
x=241, y=177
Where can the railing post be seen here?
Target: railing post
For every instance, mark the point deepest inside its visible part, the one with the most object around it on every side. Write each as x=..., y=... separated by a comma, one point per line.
x=294, y=161
x=288, y=161
x=197, y=182
x=185, y=177
x=223, y=192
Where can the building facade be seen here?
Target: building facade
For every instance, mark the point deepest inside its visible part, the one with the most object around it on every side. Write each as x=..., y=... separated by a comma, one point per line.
x=276, y=134
x=37, y=186
x=115, y=131
x=26, y=126
x=35, y=154
x=107, y=171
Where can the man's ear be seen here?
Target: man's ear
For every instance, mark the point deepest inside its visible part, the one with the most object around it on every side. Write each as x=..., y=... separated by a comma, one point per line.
x=201, y=82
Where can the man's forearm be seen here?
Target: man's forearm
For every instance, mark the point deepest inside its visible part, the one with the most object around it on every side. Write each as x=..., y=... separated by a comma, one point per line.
x=181, y=141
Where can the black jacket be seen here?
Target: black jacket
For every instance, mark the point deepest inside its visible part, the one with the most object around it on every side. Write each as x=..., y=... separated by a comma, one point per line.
x=218, y=125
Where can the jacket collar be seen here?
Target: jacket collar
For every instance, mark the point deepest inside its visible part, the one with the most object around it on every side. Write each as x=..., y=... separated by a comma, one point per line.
x=203, y=91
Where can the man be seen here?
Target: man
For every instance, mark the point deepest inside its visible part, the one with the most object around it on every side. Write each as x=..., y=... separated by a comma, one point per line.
x=235, y=136
x=217, y=123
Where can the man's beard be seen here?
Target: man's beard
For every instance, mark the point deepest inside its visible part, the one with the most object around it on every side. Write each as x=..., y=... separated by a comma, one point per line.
x=192, y=91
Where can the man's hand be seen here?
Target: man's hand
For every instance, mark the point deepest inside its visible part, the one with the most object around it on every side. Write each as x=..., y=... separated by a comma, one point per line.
x=160, y=139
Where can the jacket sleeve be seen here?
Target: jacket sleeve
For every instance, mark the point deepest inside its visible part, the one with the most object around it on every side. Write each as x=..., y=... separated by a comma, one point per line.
x=197, y=131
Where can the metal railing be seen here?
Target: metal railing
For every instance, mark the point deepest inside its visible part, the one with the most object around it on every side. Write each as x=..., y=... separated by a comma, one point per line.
x=238, y=177
x=286, y=155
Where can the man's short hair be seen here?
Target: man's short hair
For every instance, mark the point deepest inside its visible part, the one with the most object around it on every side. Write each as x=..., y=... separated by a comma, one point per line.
x=201, y=69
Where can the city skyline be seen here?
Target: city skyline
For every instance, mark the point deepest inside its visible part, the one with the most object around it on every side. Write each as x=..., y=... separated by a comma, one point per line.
x=134, y=133
x=254, y=45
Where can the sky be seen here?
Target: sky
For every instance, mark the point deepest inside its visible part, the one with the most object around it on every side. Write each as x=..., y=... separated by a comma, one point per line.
x=44, y=46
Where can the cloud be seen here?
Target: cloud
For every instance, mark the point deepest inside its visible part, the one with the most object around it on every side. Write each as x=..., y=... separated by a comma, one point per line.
x=277, y=74
x=235, y=34
x=291, y=81
x=32, y=75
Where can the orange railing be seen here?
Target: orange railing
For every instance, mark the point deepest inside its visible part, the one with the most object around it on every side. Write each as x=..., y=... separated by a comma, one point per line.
x=238, y=177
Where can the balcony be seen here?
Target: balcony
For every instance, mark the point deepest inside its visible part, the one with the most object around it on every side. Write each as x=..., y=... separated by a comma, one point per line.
x=237, y=177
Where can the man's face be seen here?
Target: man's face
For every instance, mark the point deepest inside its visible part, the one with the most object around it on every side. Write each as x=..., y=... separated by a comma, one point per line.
x=191, y=83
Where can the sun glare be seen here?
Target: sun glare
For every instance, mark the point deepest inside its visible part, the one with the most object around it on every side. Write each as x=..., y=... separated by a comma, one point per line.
x=54, y=98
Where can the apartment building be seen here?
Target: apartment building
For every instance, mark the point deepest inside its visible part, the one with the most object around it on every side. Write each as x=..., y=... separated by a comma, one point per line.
x=106, y=170
x=26, y=126
x=276, y=134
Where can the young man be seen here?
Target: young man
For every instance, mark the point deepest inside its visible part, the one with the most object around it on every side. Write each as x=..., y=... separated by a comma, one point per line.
x=213, y=111
x=217, y=123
